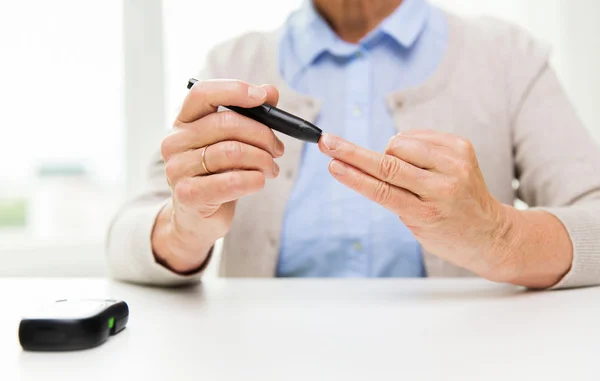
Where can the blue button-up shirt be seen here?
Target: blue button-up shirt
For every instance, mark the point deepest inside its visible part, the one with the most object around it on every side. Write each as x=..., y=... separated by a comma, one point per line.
x=330, y=230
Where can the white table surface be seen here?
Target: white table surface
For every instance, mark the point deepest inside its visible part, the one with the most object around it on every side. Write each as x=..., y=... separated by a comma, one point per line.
x=347, y=330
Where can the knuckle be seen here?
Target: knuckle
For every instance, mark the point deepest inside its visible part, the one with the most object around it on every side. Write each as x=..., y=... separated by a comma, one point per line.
x=395, y=138
x=168, y=147
x=260, y=180
x=239, y=88
x=357, y=183
x=227, y=119
x=264, y=158
x=451, y=187
x=185, y=192
x=233, y=151
x=267, y=165
x=268, y=135
x=389, y=168
x=252, y=182
x=262, y=136
x=464, y=145
x=394, y=142
x=427, y=148
x=430, y=213
x=178, y=124
x=382, y=193
x=200, y=90
x=465, y=168
x=171, y=169
x=234, y=183
x=350, y=149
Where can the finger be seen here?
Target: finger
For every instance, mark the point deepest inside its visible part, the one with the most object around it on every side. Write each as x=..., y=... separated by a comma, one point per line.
x=439, y=138
x=455, y=143
x=221, y=126
x=420, y=153
x=229, y=155
x=383, y=167
x=206, y=192
x=457, y=154
x=220, y=157
x=206, y=96
x=398, y=200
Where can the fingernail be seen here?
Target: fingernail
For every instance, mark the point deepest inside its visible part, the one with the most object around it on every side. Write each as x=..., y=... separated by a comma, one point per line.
x=276, y=170
x=256, y=93
x=337, y=167
x=279, y=148
x=330, y=141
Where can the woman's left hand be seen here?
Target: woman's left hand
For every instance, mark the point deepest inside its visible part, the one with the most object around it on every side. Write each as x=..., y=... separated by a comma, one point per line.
x=432, y=181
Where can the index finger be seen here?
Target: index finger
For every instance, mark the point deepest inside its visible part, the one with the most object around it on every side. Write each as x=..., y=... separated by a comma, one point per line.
x=387, y=168
x=457, y=144
x=206, y=96
x=440, y=138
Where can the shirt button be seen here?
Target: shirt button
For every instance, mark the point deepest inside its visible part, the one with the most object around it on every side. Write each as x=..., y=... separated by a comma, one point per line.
x=358, y=54
x=357, y=111
x=357, y=246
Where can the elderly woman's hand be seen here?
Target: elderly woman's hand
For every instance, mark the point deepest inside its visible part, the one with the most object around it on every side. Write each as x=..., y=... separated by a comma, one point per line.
x=432, y=181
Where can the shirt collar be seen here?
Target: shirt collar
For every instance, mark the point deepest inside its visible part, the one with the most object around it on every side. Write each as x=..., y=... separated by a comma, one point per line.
x=312, y=36
x=406, y=23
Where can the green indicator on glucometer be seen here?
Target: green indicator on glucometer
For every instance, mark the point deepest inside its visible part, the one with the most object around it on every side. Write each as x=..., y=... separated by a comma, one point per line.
x=111, y=322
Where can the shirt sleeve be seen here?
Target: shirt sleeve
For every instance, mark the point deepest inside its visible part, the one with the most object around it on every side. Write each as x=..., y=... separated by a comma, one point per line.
x=557, y=160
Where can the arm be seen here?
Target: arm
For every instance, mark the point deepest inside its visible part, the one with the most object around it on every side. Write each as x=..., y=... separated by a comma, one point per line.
x=139, y=230
x=433, y=183
x=164, y=235
x=558, y=167
x=129, y=249
x=540, y=249
x=157, y=241
x=450, y=211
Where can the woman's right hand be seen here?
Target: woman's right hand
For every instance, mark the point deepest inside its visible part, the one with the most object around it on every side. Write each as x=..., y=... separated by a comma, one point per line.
x=212, y=159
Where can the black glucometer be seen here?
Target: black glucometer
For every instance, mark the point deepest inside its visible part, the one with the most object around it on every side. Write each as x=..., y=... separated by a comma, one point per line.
x=71, y=324
x=277, y=119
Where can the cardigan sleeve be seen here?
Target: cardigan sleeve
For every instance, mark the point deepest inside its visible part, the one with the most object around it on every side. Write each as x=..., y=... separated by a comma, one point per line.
x=557, y=160
x=129, y=249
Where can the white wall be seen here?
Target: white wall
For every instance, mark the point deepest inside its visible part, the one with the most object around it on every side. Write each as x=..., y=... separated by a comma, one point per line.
x=192, y=27
x=60, y=102
x=580, y=52
x=571, y=28
x=144, y=87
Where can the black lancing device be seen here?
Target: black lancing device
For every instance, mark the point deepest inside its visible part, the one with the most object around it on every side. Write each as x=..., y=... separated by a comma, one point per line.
x=277, y=119
x=72, y=324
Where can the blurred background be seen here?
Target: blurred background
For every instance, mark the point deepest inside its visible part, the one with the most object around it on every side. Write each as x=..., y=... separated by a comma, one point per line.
x=88, y=88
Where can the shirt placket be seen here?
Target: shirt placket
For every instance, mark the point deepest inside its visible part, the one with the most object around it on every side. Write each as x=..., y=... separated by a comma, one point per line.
x=357, y=117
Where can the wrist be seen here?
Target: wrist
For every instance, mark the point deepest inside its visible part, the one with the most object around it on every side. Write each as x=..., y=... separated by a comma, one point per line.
x=533, y=250
x=502, y=260
x=176, y=250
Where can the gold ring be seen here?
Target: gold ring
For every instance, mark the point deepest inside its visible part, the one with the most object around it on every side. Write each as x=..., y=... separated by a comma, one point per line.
x=203, y=162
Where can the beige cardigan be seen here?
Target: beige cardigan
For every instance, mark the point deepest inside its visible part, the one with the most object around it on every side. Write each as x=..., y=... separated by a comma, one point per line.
x=494, y=87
